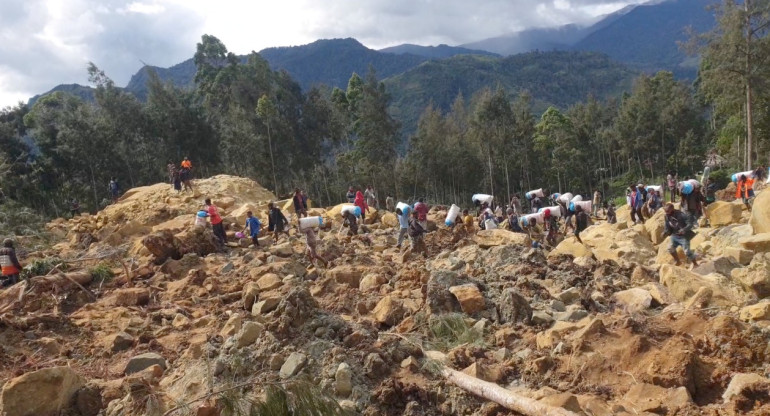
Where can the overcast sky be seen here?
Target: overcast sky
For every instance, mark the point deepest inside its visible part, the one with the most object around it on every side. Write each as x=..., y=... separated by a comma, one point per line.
x=44, y=43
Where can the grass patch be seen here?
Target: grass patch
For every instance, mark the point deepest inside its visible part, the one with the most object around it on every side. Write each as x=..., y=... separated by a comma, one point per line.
x=102, y=272
x=41, y=267
x=297, y=399
x=450, y=330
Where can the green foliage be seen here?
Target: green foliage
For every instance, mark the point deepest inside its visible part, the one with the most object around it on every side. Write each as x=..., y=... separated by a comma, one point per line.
x=102, y=272
x=721, y=177
x=41, y=267
x=450, y=330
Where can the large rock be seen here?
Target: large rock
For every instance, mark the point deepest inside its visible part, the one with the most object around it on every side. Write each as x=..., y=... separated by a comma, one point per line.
x=346, y=274
x=683, y=284
x=655, y=227
x=757, y=312
x=514, y=307
x=164, y=244
x=759, y=243
x=132, y=297
x=644, y=397
x=389, y=219
x=269, y=281
x=389, y=311
x=343, y=377
x=722, y=213
x=742, y=382
x=756, y=277
x=721, y=265
x=248, y=334
x=499, y=237
x=45, y=392
x=143, y=361
x=439, y=298
x=633, y=300
x=620, y=246
x=760, y=213
x=572, y=247
x=739, y=255
x=293, y=365
x=232, y=326
x=470, y=298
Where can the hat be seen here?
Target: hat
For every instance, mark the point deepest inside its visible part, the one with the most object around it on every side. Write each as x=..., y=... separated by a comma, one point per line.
x=640, y=186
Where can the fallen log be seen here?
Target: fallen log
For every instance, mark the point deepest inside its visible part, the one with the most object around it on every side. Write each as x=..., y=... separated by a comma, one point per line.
x=502, y=396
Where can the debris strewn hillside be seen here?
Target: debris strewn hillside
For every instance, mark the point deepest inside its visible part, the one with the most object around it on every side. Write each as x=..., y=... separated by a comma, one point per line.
x=609, y=327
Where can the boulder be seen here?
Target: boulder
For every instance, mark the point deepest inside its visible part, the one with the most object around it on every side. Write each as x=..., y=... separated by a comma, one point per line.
x=742, y=382
x=346, y=274
x=644, y=397
x=721, y=265
x=293, y=365
x=740, y=255
x=45, y=392
x=722, y=213
x=499, y=237
x=470, y=298
x=371, y=282
x=265, y=305
x=389, y=219
x=758, y=243
x=249, y=333
x=683, y=284
x=232, y=326
x=282, y=250
x=250, y=295
x=633, y=300
x=755, y=278
x=439, y=298
x=120, y=342
x=269, y=281
x=132, y=297
x=513, y=307
x=655, y=227
x=144, y=361
x=343, y=377
x=756, y=312
x=566, y=401
x=389, y=311
x=760, y=213
x=572, y=247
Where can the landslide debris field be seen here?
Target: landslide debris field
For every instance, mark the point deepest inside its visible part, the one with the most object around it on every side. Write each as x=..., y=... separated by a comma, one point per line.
x=140, y=316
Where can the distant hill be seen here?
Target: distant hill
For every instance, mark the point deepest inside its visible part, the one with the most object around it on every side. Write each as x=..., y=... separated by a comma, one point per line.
x=333, y=61
x=435, y=52
x=646, y=37
x=82, y=91
x=181, y=75
x=559, y=78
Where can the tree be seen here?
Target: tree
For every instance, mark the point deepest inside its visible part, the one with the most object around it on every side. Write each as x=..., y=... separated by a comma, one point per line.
x=267, y=112
x=735, y=59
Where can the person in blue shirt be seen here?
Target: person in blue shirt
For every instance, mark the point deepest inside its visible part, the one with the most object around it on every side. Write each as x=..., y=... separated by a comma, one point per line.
x=253, y=225
x=403, y=222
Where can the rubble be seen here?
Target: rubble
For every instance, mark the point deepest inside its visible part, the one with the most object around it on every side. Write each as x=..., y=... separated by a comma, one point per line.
x=609, y=326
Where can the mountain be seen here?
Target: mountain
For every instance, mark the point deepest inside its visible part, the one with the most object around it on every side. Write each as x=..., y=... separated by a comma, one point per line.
x=181, y=74
x=544, y=39
x=559, y=78
x=333, y=61
x=646, y=37
x=435, y=52
x=82, y=91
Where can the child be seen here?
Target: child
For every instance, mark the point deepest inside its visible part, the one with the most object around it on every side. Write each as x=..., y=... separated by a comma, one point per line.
x=311, y=241
x=467, y=221
x=253, y=225
x=611, y=216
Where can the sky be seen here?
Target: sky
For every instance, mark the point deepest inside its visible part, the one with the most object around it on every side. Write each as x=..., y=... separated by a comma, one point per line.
x=44, y=43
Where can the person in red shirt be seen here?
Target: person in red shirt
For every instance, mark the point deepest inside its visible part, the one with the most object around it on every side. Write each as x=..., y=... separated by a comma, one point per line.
x=422, y=213
x=361, y=203
x=216, y=221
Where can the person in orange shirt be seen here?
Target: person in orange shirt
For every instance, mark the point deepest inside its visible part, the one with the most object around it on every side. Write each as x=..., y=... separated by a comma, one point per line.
x=745, y=190
x=186, y=163
x=10, y=264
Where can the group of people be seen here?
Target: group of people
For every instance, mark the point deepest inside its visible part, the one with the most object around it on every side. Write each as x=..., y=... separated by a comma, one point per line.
x=180, y=176
x=644, y=201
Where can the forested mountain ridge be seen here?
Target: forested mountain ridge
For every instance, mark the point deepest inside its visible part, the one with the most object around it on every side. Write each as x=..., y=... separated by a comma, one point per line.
x=435, y=52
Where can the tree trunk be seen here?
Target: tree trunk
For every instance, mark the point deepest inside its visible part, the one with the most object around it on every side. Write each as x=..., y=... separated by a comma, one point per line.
x=749, y=118
x=502, y=396
x=272, y=161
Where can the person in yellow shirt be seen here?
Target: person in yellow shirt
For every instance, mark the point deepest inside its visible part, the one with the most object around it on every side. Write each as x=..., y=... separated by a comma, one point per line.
x=468, y=221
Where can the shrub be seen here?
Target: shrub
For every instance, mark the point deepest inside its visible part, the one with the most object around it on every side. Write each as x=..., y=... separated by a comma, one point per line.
x=40, y=267
x=450, y=330
x=102, y=272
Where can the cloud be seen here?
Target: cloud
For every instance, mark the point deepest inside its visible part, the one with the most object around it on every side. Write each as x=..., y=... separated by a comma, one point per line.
x=48, y=42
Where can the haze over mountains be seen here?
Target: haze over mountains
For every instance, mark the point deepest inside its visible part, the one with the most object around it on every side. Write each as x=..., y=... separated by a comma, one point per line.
x=638, y=38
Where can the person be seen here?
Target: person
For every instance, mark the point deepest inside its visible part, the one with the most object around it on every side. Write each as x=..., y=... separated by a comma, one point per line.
x=371, y=198
x=596, y=203
x=114, y=188
x=177, y=179
x=692, y=203
x=468, y=221
x=671, y=180
x=485, y=215
x=641, y=190
x=537, y=203
x=304, y=201
x=74, y=207
x=421, y=208
x=710, y=191
x=299, y=204
x=417, y=242
x=351, y=195
x=360, y=202
x=760, y=174
x=635, y=198
x=516, y=204
x=390, y=203
x=553, y=227
x=216, y=221
x=311, y=242
x=679, y=226
x=499, y=214
x=171, y=169
x=513, y=221
x=253, y=225
x=535, y=234
x=612, y=216
x=745, y=191
x=351, y=221
x=186, y=164
x=277, y=222
x=9, y=263
x=403, y=223
x=185, y=176
x=653, y=202
x=581, y=222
